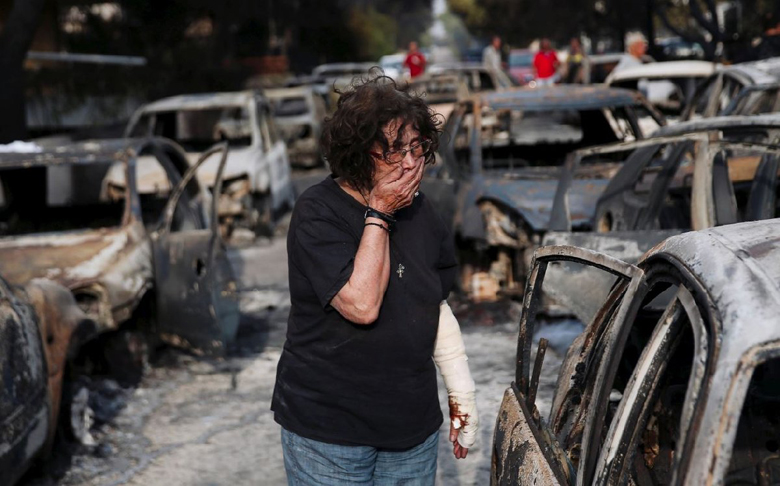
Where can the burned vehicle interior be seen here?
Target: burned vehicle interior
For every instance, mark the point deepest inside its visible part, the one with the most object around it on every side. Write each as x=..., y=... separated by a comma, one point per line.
x=77, y=194
x=679, y=183
x=630, y=394
x=58, y=198
x=198, y=129
x=516, y=137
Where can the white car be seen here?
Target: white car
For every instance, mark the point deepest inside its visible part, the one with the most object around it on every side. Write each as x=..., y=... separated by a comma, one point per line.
x=393, y=66
x=299, y=114
x=257, y=184
x=668, y=86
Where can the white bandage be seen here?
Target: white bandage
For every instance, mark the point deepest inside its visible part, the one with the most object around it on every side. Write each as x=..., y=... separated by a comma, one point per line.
x=449, y=353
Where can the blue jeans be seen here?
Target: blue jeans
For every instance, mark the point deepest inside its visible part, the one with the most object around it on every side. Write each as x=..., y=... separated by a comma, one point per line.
x=309, y=462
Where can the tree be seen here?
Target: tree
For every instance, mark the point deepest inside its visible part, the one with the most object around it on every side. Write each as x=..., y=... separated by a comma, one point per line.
x=519, y=22
x=721, y=34
x=15, y=40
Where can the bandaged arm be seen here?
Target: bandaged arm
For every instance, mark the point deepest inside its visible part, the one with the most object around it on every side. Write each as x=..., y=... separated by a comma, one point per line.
x=449, y=353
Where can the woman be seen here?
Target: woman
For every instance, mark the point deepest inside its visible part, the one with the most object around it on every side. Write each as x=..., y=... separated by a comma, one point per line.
x=370, y=265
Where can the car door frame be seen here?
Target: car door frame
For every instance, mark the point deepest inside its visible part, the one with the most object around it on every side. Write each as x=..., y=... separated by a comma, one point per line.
x=605, y=334
x=273, y=151
x=218, y=277
x=629, y=419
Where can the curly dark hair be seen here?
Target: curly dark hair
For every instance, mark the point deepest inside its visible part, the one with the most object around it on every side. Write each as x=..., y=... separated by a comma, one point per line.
x=362, y=112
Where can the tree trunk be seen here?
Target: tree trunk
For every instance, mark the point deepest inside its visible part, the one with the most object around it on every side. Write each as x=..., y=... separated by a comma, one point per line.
x=15, y=40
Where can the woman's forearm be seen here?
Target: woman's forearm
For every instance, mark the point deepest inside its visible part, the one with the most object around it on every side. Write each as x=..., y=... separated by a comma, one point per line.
x=361, y=297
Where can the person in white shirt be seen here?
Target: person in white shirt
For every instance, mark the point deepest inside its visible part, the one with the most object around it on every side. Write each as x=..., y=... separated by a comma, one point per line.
x=491, y=55
x=637, y=47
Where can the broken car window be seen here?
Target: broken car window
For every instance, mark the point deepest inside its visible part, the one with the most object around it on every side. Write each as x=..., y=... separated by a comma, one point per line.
x=754, y=456
x=515, y=138
x=197, y=130
x=65, y=197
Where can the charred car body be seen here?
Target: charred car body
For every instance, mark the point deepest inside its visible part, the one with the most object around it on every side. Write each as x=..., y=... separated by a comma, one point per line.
x=694, y=175
x=441, y=91
x=675, y=379
x=299, y=113
x=41, y=329
x=669, y=86
x=478, y=77
x=258, y=189
x=499, y=165
x=64, y=219
x=749, y=88
x=85, y=258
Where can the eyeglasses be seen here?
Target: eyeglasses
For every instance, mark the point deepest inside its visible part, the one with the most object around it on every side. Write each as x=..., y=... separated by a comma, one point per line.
x=420, y=149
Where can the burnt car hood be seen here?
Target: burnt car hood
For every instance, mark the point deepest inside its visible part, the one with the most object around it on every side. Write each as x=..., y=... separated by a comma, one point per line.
x=67, y=258
x=531, y=192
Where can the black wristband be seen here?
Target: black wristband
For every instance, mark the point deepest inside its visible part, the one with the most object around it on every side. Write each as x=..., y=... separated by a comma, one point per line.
x=377, y=224
x=373, y=213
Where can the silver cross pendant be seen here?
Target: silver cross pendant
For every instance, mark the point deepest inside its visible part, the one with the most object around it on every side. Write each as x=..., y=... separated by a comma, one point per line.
x=400, y=271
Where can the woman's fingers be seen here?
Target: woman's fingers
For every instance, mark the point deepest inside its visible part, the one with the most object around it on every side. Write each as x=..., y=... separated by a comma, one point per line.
x=396, y=190
x=459, y=451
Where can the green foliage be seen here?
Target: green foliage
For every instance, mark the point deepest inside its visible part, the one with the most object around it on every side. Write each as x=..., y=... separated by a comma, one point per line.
x=376, y=33
x=472, y=13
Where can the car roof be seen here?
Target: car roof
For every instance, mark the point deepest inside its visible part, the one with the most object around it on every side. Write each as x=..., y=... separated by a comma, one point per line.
x=739, y=266
x=342, y=66
x=767, y=120
x=760, y=72
x=399, y=56
x=670, y=69
x=561, y=97
x=458, y=66
x=87, y=152
x=280, y=93
x=201, y=101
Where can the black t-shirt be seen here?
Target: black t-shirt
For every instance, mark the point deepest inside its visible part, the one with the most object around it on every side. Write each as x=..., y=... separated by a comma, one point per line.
x=349, y=384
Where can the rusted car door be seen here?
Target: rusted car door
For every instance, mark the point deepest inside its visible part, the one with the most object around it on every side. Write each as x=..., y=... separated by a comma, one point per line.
x=564, y=449
x=195, y=288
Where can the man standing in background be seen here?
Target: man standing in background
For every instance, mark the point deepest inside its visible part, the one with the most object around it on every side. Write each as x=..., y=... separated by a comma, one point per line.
x=545, y=64
x=575, y=63
x=491, y=55
x=636, y=44
x=415, y=61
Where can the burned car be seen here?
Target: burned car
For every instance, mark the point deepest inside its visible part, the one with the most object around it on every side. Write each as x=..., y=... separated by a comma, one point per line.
x=441, y=91
x=692, y=176
x=41, y=329
x=749, y=88
x=125, y=256
x=478, y=77
x=299, y=114
x=258, y=188
x=675, y=379
x=499, y=164
x=669, y=86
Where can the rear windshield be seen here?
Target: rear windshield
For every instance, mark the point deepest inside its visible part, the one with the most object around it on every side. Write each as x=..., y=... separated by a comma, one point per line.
x=197, y=130
x=437, y=91
x=57, y=198
x=290, y=106
x=516, y=138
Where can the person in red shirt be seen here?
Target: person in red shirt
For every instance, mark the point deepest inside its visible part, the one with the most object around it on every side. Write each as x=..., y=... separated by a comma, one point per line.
x=545, y=64
x=415, y=61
